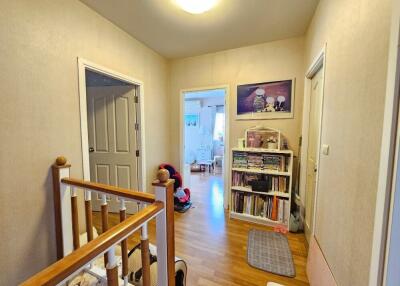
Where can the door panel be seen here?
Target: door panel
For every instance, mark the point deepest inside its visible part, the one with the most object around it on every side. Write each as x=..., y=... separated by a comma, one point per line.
x=101, y=124
x=313, y=149
x=112, y=140
x=123, y=174
x=121, y=124
x=102, y=174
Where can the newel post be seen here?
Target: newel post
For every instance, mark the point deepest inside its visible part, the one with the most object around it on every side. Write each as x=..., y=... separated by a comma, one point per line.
x=62, y=207
x=165, y=234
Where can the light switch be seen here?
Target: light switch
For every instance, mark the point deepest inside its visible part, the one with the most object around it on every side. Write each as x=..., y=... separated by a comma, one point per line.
x=325, y=149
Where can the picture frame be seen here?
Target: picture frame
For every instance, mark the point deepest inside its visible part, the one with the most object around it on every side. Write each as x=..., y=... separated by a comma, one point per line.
x=263, y=137
x=192, y=120
x=266, y=100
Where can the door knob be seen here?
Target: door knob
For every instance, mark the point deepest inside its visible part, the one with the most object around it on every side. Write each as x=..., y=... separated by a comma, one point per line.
x=91, y=149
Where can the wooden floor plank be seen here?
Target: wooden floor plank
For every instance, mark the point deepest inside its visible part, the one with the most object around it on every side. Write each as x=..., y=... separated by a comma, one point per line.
x=214, y=246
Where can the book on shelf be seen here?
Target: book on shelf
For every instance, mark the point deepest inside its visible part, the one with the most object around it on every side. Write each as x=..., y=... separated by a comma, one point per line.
x=239, y=160
x=273, y=183
x=262, y=161
x=273, y=208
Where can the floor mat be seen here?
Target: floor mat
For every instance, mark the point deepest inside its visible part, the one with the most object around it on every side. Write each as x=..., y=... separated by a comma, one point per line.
x=269, y=251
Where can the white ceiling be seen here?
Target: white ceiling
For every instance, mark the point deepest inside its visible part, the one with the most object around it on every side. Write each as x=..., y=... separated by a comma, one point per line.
x=173, y=33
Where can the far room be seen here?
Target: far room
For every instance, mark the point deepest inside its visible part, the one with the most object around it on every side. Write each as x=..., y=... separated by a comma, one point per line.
x=204, y=119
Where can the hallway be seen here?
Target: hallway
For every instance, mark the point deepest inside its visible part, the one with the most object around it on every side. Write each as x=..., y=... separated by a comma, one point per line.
x=214, y=247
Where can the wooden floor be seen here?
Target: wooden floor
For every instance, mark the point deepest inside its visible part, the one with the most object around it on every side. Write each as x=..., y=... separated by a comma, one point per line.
x=214, y=246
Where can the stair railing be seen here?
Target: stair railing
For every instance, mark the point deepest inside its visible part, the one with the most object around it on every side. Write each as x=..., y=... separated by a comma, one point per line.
x=74, y=258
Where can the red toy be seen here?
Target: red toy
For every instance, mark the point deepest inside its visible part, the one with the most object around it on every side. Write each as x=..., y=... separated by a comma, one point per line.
x=181, y=201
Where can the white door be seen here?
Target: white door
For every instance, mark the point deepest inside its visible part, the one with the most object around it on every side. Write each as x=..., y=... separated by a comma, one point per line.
x=313, y=147
x=112, y=140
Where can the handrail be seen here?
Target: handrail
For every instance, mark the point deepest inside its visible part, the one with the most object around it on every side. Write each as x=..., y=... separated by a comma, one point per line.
x=67, y=266
x=116, y=191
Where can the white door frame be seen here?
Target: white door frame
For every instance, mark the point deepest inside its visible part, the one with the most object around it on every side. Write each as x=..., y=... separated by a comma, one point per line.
x=386, y=239
x=318, y=64
x=84, y=65
x=226, y=143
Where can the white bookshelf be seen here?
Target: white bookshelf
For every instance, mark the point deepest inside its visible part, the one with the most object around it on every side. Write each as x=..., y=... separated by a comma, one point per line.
x=288, y=174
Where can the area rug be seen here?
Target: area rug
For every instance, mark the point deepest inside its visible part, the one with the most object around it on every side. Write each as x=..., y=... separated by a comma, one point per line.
x=269, y=251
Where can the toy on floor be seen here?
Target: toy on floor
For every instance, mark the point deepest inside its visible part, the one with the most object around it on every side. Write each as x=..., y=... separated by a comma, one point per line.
x=280, y=229
x=182, y=200
x=135, y=267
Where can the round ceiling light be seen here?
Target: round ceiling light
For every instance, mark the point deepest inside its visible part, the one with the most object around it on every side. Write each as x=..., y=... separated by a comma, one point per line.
x=196, y=6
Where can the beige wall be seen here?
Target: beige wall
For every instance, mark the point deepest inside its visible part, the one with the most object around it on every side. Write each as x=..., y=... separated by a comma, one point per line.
x=356, y=33
x=39, y=44
x=39, y=106
x=266, y=62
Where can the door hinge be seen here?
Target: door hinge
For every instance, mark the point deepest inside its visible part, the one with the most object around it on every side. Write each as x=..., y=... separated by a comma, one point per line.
x=136, y=99
x=136, y=126
x=137, y=153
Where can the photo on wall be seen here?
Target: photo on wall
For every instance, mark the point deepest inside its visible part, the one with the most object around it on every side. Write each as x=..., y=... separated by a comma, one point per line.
x=192, y=120
x=267, y=100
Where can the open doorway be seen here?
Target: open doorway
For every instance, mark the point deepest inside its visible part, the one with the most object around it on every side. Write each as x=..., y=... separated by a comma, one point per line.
x=204, y=120
x=111, y=137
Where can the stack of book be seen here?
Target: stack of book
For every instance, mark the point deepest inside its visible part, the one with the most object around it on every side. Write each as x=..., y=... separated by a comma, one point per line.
x=254, y=161
x=277, y=184
x=243, y=179
x=274, y=162
x=272, y=208
x=262, y=161
x=239, y=160
x=274, y=183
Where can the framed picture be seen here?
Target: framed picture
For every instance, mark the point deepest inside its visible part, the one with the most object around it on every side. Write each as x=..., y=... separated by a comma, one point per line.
x=266, y=100
x=261, y=137
x=192, y=120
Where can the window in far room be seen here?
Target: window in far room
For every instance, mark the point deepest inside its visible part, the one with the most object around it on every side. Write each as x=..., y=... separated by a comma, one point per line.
x=219, y=127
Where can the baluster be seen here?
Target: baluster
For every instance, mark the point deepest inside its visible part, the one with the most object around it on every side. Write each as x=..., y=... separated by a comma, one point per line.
x=111, y=267
x=144, y=246
x=104, y=220
x=88, y=215
x=124, y=245
x=75, y=220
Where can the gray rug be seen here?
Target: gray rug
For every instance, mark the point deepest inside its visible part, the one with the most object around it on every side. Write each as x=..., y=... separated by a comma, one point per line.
x=269, y=251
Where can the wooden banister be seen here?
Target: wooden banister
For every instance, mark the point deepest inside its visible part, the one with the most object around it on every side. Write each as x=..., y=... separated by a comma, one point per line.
x=116, y=191
x=73, y=262
x=161, y=206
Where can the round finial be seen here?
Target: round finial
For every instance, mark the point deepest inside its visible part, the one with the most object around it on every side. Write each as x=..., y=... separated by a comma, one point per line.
x=163, y=175
x=61, y=161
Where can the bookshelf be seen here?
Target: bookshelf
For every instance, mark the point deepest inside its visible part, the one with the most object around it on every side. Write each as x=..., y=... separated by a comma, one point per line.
x=260, y=185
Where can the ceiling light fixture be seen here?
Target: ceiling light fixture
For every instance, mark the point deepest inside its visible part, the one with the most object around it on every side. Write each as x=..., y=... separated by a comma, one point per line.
x=196, y=6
